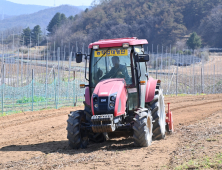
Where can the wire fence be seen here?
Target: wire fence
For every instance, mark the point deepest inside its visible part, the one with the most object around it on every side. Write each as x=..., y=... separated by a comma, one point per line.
x=42, y=77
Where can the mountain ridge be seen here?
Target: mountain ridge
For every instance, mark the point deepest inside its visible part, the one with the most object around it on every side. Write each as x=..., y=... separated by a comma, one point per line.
x=41, y=17
x=11, y=8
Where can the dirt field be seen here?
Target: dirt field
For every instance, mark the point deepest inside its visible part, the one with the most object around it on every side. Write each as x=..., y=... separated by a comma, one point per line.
x=37, y=140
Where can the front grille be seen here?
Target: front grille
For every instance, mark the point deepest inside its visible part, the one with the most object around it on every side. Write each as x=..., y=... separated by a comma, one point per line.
x=103, y=107
x=103, y=104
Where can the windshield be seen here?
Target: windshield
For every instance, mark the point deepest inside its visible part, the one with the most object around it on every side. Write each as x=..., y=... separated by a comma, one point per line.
x=111, y=63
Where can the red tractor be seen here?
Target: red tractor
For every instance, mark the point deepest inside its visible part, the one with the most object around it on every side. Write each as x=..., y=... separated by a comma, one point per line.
x=121, y=98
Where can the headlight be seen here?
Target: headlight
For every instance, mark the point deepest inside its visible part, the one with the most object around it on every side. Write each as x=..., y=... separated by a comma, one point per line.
x=112, y=105
x=96, y=106
x=95, y=99
x=112, y=98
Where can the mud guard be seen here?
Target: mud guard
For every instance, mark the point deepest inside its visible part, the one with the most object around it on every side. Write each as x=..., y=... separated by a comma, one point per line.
x=150, y=89
x=87, y=96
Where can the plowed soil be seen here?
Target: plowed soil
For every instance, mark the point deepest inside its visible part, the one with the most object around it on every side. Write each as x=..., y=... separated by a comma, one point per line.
x=37, y=140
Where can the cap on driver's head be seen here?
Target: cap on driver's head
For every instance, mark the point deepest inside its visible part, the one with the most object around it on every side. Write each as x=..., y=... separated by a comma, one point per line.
x=115, y=57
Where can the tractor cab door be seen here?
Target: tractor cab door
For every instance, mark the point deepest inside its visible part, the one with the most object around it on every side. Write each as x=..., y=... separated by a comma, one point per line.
x=140, y=76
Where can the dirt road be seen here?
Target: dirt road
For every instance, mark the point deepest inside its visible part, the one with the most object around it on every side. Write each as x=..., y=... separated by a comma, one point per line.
x=37, y=140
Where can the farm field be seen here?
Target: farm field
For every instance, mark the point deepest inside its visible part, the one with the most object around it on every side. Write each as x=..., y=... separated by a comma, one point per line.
x=37, y=140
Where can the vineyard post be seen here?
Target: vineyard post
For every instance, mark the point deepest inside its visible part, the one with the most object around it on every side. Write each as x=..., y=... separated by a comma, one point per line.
x=214, y=79
x=190, y=76
x=69, y=73
x=46, y=78
x=32, y=88
x=3, y=85
x=58, y=56
x=161, y=68
x=156, y=58
x=55, y=88
x=74, y=82
x=193, y=75
x=203, y=73
x=177, y=76
x=201, y=80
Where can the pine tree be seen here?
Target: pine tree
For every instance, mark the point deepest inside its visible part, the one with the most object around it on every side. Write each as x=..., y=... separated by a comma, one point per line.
x=25, y=38
x=54, y=23
x=36, y=34
x=194, y=41
x=63, y=18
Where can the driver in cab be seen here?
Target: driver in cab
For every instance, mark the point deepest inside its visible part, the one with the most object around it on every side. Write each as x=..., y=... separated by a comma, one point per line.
x=118, y=70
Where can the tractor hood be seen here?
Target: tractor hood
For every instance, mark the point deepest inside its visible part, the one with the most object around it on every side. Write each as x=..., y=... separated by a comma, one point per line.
x=109, y=86
x=102, y=97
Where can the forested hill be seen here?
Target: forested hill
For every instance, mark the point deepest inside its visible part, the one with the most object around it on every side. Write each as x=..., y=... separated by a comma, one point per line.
x=159, y=21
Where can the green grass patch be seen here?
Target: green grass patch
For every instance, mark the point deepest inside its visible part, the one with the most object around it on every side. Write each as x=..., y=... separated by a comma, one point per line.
x=10, y=113
x=29, y=100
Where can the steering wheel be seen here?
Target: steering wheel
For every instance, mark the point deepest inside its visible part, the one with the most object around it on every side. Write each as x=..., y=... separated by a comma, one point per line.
x=120, y=75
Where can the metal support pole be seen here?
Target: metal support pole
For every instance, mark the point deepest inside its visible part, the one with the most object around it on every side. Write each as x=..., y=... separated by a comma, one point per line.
x=193, y=76
x=214, y=79
x=202, y=80
x=32, y=88
x=3, y=86
x=177, y=81
x=55, y=89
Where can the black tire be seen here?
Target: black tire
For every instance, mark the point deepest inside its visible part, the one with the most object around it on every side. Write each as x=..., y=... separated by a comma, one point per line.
x=142, y=128
x=158, y=113
x=75, y=136
x=94, y=137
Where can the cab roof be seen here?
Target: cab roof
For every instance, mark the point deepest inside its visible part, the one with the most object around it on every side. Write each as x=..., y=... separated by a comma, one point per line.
x=118, y=42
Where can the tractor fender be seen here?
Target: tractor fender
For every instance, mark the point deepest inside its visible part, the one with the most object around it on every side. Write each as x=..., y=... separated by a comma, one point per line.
x=150, y=89
x=87, y=96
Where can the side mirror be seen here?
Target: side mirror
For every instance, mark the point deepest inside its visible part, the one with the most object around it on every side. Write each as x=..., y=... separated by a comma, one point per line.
x=79, y=57
x=142, y=57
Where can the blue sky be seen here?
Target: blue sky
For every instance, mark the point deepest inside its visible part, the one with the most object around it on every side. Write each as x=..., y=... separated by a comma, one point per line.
x=51, y=2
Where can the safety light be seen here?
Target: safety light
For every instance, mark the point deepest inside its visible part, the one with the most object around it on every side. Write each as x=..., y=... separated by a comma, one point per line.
x=96, y=47
x=142, y=82
x=82, y=86
x=125, y=45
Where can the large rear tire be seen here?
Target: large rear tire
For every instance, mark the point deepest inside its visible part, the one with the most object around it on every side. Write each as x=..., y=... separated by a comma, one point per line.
x=158, y=113
x=75, y=136
x=142, y=129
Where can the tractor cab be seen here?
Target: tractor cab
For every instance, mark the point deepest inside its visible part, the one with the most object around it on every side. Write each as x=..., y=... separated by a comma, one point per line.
x=120, y=97
x=118, y=59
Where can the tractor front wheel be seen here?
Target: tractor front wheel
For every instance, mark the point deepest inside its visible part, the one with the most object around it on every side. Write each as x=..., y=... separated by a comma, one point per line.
x=76, y=138
x=142, y=129
x=158, y=113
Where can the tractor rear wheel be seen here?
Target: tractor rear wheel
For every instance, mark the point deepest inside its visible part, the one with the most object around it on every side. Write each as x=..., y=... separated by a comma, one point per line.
x=76, y=137
x=142, y=129
x=158, y=113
